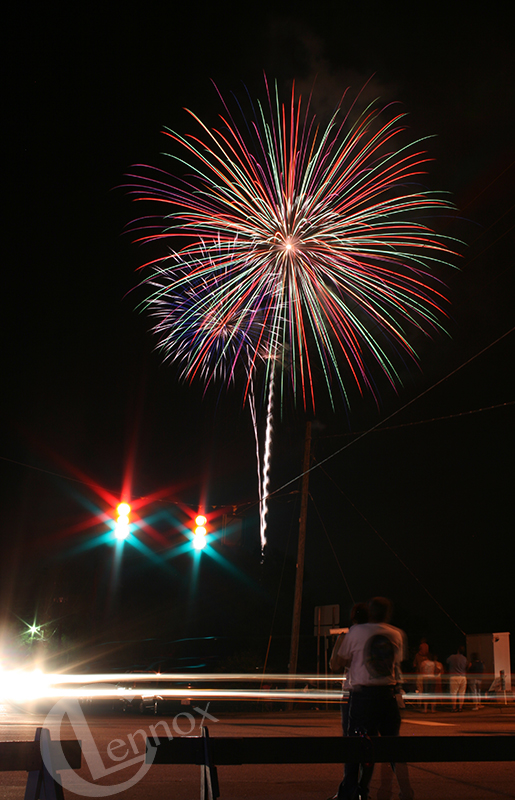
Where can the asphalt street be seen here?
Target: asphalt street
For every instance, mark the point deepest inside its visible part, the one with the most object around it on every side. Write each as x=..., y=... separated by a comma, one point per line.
x=118, y=739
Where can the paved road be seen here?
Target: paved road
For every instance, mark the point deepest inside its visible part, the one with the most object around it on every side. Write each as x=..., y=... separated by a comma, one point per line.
x=117, y=738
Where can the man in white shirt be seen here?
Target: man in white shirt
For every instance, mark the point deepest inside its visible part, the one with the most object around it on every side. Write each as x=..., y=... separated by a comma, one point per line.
x=373, y=653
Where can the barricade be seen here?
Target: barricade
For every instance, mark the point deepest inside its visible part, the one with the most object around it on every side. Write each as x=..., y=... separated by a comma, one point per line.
x=41, y=758
x=209, y=752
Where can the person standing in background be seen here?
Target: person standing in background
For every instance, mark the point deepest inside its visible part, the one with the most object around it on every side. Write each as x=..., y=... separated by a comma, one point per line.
x=457, y=666
x=419, y=659
x=474, y=677
x=439, y=671
x=427, y=668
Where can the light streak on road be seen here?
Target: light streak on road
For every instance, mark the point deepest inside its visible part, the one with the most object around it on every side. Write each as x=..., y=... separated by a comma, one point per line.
x=21, y=686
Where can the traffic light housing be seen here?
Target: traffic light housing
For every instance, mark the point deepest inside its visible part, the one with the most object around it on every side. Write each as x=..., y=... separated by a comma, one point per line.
x=121, y=530
x=199, y=534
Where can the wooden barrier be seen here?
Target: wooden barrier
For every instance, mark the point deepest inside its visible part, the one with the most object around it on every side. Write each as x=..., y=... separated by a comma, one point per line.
x=41, y=758
x=209, y=752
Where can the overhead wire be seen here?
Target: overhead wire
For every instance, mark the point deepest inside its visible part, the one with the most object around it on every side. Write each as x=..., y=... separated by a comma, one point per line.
x=393, y=414
x=252, y=503
x=397, y=556
x=332, y=547
x=424, y=421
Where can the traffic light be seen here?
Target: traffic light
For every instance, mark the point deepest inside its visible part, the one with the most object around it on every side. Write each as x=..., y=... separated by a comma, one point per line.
x=199, y=534
x=121, y=530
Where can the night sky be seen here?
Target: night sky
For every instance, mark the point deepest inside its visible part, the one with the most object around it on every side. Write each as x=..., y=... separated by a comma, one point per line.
x=420, y=509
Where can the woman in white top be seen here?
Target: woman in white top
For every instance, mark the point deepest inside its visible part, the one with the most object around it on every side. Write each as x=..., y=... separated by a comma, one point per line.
x=428, y=672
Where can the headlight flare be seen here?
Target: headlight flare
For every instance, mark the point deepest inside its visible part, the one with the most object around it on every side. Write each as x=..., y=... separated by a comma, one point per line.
x=20, y=686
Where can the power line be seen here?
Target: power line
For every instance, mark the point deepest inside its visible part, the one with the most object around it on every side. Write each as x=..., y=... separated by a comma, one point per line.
x=357, y=438
x=397, y=556
x=394, y=413
x=332, y=547
x=426, y=421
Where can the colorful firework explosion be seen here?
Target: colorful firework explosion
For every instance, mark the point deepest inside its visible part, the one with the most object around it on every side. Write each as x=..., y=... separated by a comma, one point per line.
x=209, y=338
x=304, y=248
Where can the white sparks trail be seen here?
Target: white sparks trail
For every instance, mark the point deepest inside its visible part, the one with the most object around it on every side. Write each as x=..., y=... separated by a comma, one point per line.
x=266, y=460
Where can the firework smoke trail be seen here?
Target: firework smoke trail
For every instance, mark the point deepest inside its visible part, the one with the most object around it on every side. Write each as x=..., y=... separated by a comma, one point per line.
x=267, y=452
x=305, y=248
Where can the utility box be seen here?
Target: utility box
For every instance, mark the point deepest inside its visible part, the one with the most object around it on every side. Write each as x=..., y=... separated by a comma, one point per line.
x=493, y=650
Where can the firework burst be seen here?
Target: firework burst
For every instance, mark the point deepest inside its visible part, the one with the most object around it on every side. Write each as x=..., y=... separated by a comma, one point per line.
x=305, y=248
x=197, y=325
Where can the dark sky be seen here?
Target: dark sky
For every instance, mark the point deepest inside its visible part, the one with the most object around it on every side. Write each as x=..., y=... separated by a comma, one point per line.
x=421, y=509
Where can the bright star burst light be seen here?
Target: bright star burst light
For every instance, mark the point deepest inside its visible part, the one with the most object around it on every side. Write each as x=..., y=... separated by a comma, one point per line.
x=305, y=249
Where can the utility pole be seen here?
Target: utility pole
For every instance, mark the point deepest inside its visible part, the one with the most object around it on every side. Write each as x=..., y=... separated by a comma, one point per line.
x=299, y=577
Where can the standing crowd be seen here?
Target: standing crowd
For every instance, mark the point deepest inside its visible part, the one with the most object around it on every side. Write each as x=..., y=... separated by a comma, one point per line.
x=460, y=673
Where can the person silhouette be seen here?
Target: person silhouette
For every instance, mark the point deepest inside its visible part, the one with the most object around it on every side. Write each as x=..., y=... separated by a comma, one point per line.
x=372, y=652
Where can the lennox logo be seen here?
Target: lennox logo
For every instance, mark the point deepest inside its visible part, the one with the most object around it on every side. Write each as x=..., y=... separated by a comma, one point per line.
x=121, y=753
